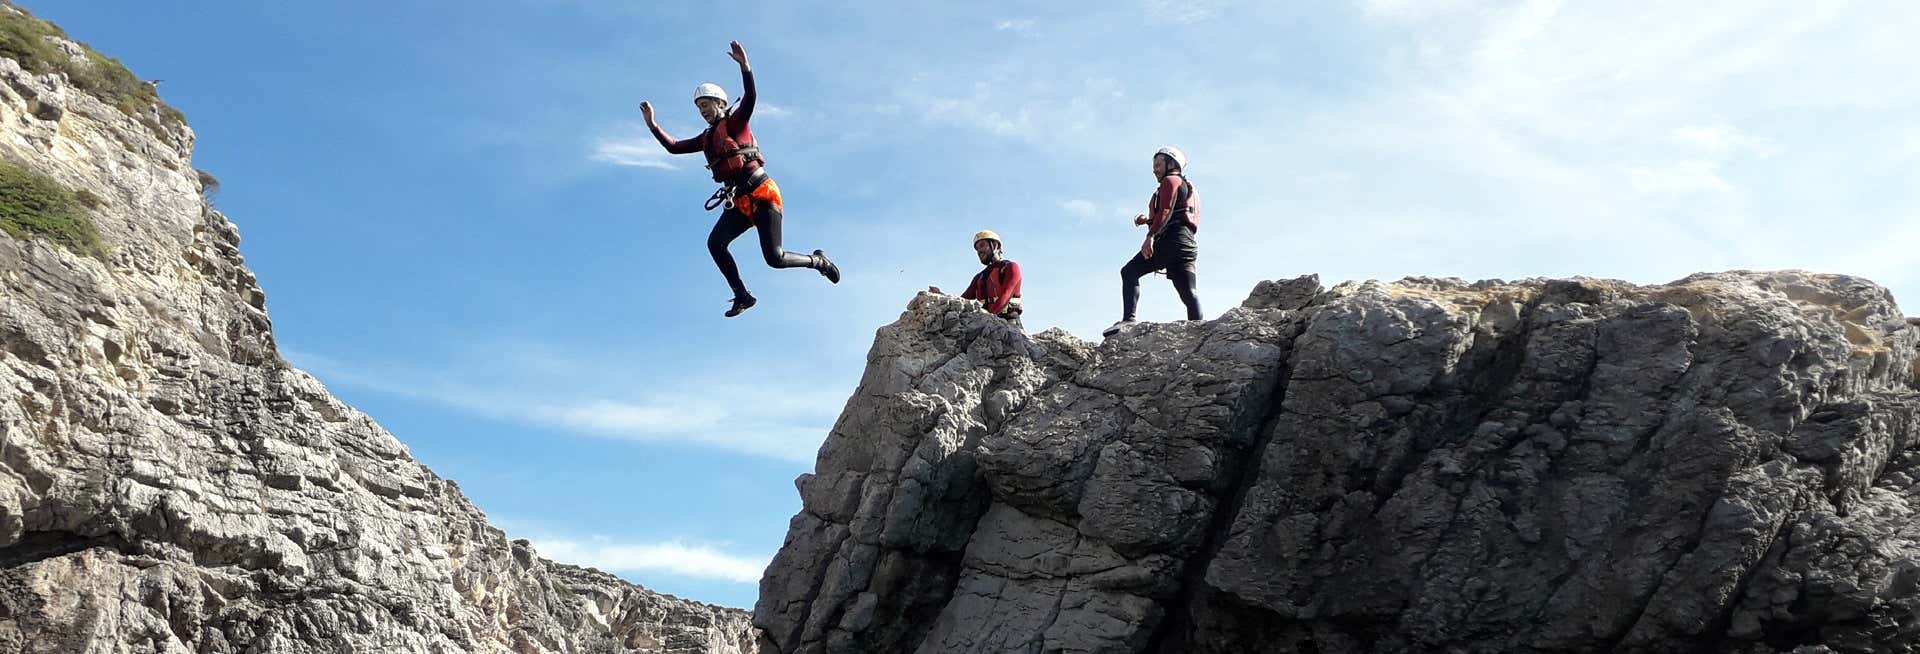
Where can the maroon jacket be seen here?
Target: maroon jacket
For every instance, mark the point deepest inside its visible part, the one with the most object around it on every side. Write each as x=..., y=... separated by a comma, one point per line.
x=722, y=141
x=1175, y=200
x=996, y=286
x=1169, y=199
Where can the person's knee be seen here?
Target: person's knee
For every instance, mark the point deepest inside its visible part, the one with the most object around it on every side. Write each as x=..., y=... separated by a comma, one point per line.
x=776, y=256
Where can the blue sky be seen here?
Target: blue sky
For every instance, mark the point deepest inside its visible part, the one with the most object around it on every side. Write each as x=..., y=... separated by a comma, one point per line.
x=464, y=230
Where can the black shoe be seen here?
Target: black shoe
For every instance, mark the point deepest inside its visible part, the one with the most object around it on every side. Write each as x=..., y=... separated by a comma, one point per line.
x=826, y=267
x=1115, y=329
x=741, y=303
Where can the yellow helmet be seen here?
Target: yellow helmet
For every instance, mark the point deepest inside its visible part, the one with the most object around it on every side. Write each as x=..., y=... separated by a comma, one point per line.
x=987, y=234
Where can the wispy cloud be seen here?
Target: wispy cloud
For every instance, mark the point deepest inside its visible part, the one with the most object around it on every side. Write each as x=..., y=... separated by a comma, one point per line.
x=674, y=557
x=787, y=424
x=633, y=145
x=1410, y=10
x=1183, y=11
x=1725, y=139
x=633, y=153
x=1081, y=208
x=1683, y=177
x=1022, y=26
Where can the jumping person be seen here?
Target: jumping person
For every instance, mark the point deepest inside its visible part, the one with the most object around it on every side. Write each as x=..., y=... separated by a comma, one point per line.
x=751, y=199
x=997, y=287
x=1173, y=215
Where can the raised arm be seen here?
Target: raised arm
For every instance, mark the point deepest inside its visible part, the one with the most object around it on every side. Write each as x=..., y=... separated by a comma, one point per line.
x=743, y=112
x=688, y=146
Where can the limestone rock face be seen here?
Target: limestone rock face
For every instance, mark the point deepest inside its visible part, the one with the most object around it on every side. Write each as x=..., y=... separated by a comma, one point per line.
x=1725, y=463
x=169, y=484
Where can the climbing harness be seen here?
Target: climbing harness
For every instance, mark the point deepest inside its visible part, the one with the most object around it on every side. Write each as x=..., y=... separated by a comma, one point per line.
x=723, y=196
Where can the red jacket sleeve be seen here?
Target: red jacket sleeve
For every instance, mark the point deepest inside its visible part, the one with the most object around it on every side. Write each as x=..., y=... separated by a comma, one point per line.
x=737, y=120
x=688, y=146
x=1009, y=287
x=1163, y=200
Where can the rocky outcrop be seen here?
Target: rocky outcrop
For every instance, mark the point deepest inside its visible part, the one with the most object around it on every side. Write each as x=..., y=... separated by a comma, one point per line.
x=1721, y=464
x=169, y=484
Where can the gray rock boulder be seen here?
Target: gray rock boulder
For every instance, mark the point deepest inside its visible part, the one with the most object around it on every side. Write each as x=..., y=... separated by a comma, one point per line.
x=1724, y=463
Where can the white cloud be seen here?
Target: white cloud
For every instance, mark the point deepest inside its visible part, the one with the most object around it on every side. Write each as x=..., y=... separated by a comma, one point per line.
x=1021, y=26
x=1514, y=31
x=1679, y=178
x=676, y=557
x=1081, y=208
x=1725, y=139
x=1410, y=10
x=633, y=152
x=1183, y=11
x=786, y=424
x=770, y=110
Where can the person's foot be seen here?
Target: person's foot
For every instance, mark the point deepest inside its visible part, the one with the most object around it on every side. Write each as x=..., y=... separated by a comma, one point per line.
x=826, y=267
x=1115, y=329
x=741, y=303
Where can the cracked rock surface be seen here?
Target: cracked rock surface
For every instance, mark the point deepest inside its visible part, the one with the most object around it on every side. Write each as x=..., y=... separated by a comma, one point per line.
x=1725, y=463
x=169, y=485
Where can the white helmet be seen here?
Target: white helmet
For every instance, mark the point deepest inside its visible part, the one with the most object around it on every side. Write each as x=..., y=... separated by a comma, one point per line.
x=1179, y=158
x=710, y=90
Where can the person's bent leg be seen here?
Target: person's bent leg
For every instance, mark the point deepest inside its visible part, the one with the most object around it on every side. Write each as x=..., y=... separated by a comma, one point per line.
x=1186, y=283
x=730, y=226
x=767, y=218
x=1130, y=275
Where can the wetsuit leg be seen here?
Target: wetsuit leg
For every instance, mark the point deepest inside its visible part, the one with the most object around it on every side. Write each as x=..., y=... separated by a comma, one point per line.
x=1181, y=252
x=1130, y=275
x=730, y=226
x=767, y=220
x=1184, y=282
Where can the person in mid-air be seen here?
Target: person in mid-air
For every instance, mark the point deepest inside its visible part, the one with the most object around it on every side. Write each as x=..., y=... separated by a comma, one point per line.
x=751, y=199
x=997, y=287
x=1172, y=218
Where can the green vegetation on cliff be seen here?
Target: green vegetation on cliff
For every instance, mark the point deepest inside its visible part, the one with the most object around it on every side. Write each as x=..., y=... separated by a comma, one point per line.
x=34, y=205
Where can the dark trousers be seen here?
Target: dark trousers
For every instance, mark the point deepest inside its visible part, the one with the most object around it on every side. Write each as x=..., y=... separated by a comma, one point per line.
x=1174, y=252
x=732, y=224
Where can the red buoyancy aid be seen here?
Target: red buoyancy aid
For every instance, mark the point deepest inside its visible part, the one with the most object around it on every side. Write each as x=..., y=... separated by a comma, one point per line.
x=730, y=156
x=1186, y=209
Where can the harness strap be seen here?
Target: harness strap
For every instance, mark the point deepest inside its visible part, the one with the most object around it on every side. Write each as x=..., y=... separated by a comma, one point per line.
x=723, y=197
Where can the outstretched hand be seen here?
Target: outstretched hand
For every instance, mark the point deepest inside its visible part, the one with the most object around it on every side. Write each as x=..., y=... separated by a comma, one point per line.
x=1140, y=219
x=738, y=54
x=646, y=109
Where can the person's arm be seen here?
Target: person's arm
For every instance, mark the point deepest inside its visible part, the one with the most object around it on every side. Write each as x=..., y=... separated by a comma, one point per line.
x=738, y=119
x=688, y=146
x=1163, y=200
x=973, y=289
x=1009, y=283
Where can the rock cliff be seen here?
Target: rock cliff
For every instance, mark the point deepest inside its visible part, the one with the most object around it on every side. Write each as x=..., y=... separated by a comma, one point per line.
x=169, y=484
x=1724, y=463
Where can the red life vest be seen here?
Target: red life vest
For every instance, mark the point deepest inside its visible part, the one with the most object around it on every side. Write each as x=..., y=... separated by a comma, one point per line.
x=730, y=156
x=1186, y=207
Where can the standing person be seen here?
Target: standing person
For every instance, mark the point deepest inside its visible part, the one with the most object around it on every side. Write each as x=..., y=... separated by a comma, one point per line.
x=751, y=198
x=997, y=287
x=1173, y=215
